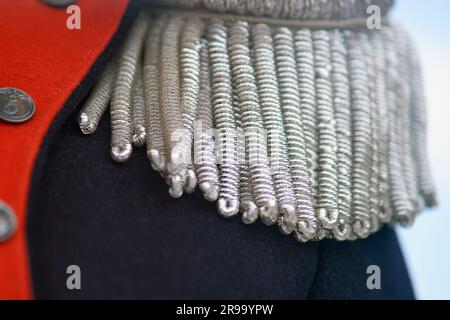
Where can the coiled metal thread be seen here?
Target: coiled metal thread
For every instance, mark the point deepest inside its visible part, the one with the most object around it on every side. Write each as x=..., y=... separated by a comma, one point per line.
x=156, y=151
x=190, y=84
x=290, y=103
x=98, y=101
x=307, y=91
x=385, y=207
x=269, y=98
x=204, y=149
x=327, y=201
x=419, y=130
x=249, y=210
x=121, y=129
x=138, y=109
x=405, y=104
x=399, y=196
x=343, y=116
x=252, y=123
x=175, y=136
x=374, y=197
x=222, y=103
x=361, y=136
x=286, y=9
x=321, y=132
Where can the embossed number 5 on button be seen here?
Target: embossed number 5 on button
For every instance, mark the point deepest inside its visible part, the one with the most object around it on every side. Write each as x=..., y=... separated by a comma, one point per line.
x=16, y=106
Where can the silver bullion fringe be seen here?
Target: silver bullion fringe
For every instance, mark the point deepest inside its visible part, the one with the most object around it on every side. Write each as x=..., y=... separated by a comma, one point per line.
x=374, y=145
x=327, y=197
x=385, y=208
x=98, y=101
x=156, y=151
x=225, y=122
x=307, y=91
x=361, y=136
x=121, y=130
x=264, y=60
x=406, y=144
x=322, y=132
x=399, y=195
x=247, y=205
x=343, y=116
x=249, y=210
x=175, y=136
x=403, y=120
x=290, y=101
x=204, y=149
x=138, y=109
x=190, y=85
x=244, y=81
x=419, y=130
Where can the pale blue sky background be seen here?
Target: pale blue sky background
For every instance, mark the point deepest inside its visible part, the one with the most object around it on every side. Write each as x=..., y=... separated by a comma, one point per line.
x=427, y=244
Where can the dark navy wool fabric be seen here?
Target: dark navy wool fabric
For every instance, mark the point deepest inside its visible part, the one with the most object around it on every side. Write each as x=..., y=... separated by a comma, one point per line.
x=132, y=240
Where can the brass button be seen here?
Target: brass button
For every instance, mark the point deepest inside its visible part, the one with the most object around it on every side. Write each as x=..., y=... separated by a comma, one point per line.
x=8, y=222
x=15, y=105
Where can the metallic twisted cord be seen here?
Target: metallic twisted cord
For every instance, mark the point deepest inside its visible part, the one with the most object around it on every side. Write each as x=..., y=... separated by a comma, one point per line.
x=408, y=163
x=307, y=91
x=311, y=9
x=190, y=79
x=361, y=136
x=284, y=9
x=98, y=100
x=378, y=49
x=256, y=147
x=204, y=151
x=170, y=102
x=247, y=205
x=343, y=116
x=265, y=71
x=155, y=141
x=327, y=198
x=222, y=101
x=121, y=130
x=250, y=212
x=399, y=195
x=419, y=130
x=248, y=208
x=374, y=203
x=290, y=103
x=345, y=150
x=138, y=109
